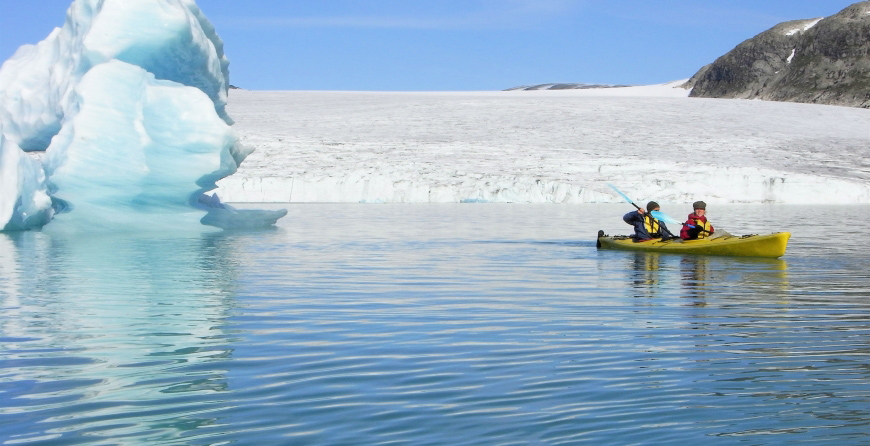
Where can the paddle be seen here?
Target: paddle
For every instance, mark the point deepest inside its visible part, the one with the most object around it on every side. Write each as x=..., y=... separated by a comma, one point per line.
x=623, y=195
x=658, y=215
x=696, y=227
x=661, y=216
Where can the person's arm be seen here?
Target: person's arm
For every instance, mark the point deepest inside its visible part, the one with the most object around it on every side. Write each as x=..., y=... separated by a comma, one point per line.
x=684, y=231
x=631, y=217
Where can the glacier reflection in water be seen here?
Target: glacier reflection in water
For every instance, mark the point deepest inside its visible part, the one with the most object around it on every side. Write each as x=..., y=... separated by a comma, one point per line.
x=433, y=324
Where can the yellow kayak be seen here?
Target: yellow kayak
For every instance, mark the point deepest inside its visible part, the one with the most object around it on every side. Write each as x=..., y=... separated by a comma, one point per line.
x=767, y=245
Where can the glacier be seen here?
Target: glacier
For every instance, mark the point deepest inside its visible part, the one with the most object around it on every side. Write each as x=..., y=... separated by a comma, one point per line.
x=653, y=142
x=118, y=120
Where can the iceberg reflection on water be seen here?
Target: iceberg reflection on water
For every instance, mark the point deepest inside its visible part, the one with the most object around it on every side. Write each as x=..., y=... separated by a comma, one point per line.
x=100, y=330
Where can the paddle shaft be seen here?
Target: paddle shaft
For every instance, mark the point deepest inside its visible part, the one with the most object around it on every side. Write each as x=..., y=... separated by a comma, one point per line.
x=642, y=212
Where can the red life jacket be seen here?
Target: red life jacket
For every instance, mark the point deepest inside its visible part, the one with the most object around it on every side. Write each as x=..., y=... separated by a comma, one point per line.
x=702, y=228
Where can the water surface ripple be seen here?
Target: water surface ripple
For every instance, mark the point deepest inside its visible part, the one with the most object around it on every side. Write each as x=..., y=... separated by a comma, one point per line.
x=432, y=325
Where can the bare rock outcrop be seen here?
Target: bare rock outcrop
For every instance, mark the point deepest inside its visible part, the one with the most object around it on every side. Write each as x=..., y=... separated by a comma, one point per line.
x=823, y=60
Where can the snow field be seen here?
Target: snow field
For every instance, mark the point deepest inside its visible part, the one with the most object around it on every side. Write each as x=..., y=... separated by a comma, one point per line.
x=545, y=146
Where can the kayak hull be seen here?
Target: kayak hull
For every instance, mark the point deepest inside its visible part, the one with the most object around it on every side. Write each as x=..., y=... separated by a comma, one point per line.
x=766, y=245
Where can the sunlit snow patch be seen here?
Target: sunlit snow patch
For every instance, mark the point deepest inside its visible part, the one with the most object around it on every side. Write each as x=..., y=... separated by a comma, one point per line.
x=809, y=24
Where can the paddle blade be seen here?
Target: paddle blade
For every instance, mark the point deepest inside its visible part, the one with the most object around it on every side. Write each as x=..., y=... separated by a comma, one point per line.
x=661, y=216
x=623, y=195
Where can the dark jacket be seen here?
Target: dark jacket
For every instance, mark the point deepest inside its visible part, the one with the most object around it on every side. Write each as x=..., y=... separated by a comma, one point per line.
x=646, y=227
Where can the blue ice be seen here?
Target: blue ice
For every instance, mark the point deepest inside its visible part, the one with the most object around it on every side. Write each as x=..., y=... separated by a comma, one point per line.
x=118, y=120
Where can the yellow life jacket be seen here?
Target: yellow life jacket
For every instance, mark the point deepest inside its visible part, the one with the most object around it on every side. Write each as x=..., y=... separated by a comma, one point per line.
x=651, y=224
x=705, y=225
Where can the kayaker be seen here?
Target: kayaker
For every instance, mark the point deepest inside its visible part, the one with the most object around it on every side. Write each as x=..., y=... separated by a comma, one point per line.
x=645, y=226
x=697, y=226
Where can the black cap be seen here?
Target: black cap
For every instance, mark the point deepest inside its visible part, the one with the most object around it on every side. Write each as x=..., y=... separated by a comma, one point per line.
x=651, y=206
x=699, y=205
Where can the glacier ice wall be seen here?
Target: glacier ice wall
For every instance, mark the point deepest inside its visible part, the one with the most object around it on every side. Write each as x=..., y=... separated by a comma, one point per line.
x=128, y=102
x=545, y=147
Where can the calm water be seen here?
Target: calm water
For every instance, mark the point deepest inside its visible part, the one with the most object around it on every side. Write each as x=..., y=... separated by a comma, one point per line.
x=437, y=325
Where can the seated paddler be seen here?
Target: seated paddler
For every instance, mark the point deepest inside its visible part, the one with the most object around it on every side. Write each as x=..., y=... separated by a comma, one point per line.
x=645, y=226
x=697, y=226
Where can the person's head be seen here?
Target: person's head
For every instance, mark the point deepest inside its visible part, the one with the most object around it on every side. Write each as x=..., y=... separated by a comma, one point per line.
x=652, y=206
x=700, y=208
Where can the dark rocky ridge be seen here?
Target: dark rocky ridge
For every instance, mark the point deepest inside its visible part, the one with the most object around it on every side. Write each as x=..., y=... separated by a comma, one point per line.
x=825, y=61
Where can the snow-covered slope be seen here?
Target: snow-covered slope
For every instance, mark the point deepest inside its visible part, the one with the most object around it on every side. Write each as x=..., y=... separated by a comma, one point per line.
x=545, y=146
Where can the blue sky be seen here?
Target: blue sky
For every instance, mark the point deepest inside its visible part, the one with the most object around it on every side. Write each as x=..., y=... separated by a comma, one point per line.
x=459, y=44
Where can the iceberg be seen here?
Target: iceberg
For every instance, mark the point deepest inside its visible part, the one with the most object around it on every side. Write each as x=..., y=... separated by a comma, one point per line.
x=118, y=119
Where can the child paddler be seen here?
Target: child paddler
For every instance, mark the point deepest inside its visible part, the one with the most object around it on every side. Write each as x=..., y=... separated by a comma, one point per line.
x=697, y=226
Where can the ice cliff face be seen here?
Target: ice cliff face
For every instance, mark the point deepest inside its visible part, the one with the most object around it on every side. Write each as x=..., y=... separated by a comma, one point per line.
x=825, y=61
x=128, y=102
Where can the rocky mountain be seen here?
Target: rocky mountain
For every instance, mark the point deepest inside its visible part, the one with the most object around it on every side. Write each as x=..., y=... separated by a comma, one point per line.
x=823, y=60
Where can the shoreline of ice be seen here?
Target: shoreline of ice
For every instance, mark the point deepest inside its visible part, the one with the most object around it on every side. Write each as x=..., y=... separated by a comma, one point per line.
x=545, y=147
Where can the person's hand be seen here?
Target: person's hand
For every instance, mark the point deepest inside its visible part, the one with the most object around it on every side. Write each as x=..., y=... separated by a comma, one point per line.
x=641, y=211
